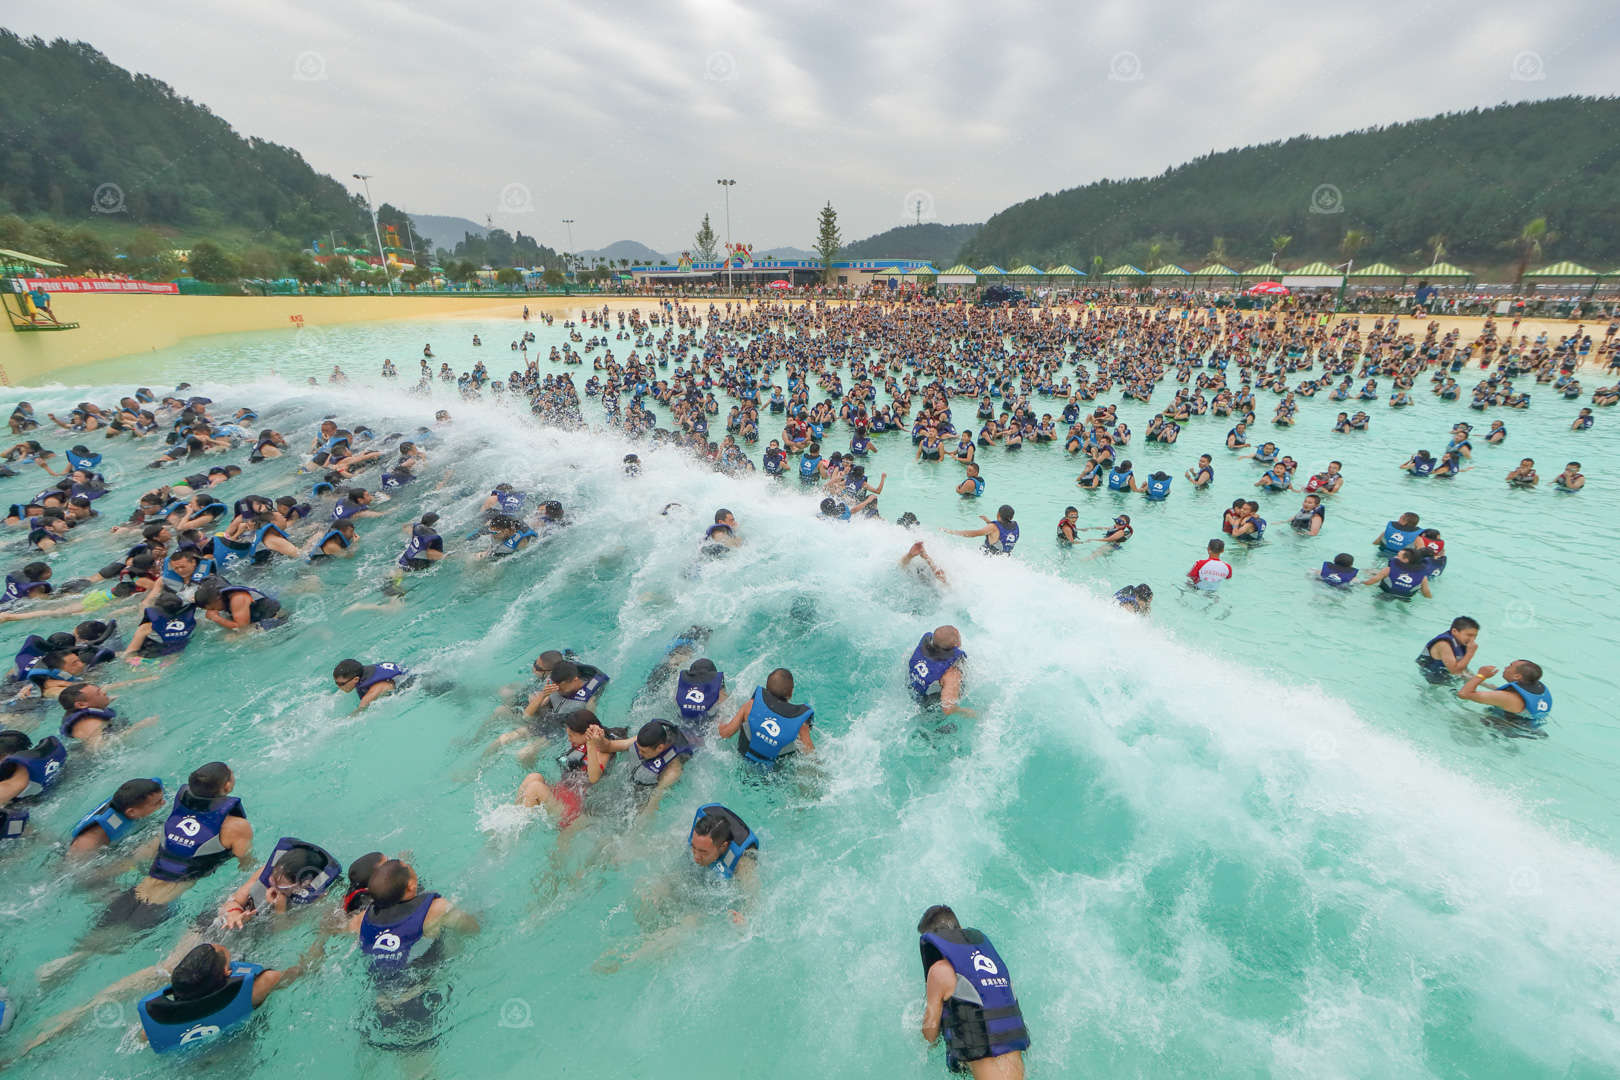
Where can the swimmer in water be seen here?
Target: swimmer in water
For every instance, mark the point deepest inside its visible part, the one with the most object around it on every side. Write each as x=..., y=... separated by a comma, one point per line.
x=1068, y=526
x=1208, y=573
x=969, y=999
x=1000, y=535
x=1137, y=598
x=1449, y=653
x=1525, y=475
x=917, y=551
x=1522, y=700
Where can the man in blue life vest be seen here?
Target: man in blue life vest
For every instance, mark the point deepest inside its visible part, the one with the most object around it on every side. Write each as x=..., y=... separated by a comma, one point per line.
x=969, y=1000
x=935, y=669
x=1522, y=700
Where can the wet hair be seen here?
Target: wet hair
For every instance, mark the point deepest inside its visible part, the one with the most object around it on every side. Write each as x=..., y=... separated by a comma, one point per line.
x=1144, y=592
x=550, y=659
x=348, y=669
x=1216, y=546
x=1344, y=560
x=361, y=869
x=1529, y=675
x=169, y=603
x=61, y=641
x=429, y=519
x=1407, y=520
x=564, y=671
x=208, y=781
x=1463, y=622
x=131, y=793
x=36, y=571
x=580, y=720
x=55, y=659
x=505, y=523
x=780, y=683
x=907, y=520
x=652, y=734
x=199, y=973
x=69, y=697
x=721, y=514
x=388, y=883
x=1005, y=513
x=713, y=827
x=936, y=919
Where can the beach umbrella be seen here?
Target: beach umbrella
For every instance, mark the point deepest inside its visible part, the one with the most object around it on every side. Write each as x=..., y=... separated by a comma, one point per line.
x=780, y=284
x=1267, y=288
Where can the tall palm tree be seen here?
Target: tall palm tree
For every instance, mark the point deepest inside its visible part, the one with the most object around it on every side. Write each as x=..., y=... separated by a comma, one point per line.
x=1278, y=245
x=1154, y=251
x=1528, y=244
x=1217, y=250
x=1354, y=240
x=1437, y=242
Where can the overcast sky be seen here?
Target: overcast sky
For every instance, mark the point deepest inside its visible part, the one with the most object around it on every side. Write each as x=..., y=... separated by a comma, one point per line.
x=622, y=116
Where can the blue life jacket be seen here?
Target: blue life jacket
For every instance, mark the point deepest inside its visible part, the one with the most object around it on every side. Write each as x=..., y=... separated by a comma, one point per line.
x=514, y=543
x=78, y=461
x=174, y=582
x=170, y=633
x=1537, y=707
x=648, y=770
x=1423, y=466
x=1007, y=536
x=392, y=481
x=389, y=941
x=978, y=487
x=925, y=669
x=43, y=762
x=191, y=847
x=859, y=446
x=695, y=699
x=346, y=509
x=1426, y=659
x=372, y=674
x=17, y=588
x=1401, y=581
x=510, y=502
x=768, y=735
x=1338, y=575
x=1395, y=538
x=33, y=650
x=308, y=890
x=726, y=864
x=1158, y=490
x=773, y=462
x=1118, y=481
x=981, y=1018
x=114, y=824
x=179, y=1025
x=316, y=552
x=809, y=466
x=110, y=716
x=423, y=539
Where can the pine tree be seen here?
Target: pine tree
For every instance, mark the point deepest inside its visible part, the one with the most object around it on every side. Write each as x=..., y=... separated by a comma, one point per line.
x=705, y=245
x=828, y=240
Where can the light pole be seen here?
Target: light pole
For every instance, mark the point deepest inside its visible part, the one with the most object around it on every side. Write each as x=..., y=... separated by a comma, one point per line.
x=568, y=221
x=365, y=178
x=726, y=186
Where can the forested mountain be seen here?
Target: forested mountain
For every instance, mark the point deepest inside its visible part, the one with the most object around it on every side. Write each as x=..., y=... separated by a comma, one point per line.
x=935, y=242
x=1469, y=181
x=83, y=139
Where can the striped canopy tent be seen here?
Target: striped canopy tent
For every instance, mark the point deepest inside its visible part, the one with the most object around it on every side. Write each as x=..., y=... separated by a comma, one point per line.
x=992, y=271
x=1377, y=270
x=1125, y=270
x=1315, y=269
x=1065, y=271
x=922, y=272
x=1565, y=269
x=1215, y=270
x=22, y=258
x=960, y=274
x=1264, y=270
x=1168, y=270
x=1440, y=270
x=1026, y=271
x=890, y=272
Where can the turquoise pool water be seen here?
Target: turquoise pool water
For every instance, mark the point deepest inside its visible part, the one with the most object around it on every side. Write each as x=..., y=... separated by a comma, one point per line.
x=1241, y=837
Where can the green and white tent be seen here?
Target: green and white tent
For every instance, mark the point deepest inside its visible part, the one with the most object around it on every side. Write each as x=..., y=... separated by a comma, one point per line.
x=992, y=271
x=1565, y=269
x=1065, y=271
x=1215, y=270
x=1168, y=270
x=1316, y=269
x=1264, y=270
x=1378, y=270
x=960, y=274
x=1441, y=270
x=1026, y=271
x=1126, y=270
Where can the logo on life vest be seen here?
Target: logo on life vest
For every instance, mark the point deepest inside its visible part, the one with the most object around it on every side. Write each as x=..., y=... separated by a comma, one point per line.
x=199, y=1033
x=189, y=825
x=695, y=695
x=770, y=727
x=387, y=941
x=983, y=963
x=52, y=768
x=920, y=669
x=174, y=626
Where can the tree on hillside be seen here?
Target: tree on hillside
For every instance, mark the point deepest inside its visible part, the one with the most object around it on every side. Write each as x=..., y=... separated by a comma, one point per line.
x=1354, y=240
x=507, y=276
x=705, y=245
x=1217, y=250
x=828, y=241
x=209, y=262
x=1437, y=244
x=1155, y=252
x=1528, y=244
x=1278, y=245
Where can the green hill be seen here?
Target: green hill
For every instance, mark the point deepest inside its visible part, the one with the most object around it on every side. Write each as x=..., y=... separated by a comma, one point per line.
x=83, y=140
x=934, y=242
x=1475, y=179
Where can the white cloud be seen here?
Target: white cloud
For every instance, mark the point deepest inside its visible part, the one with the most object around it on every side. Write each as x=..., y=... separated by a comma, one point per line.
x=622, y=116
